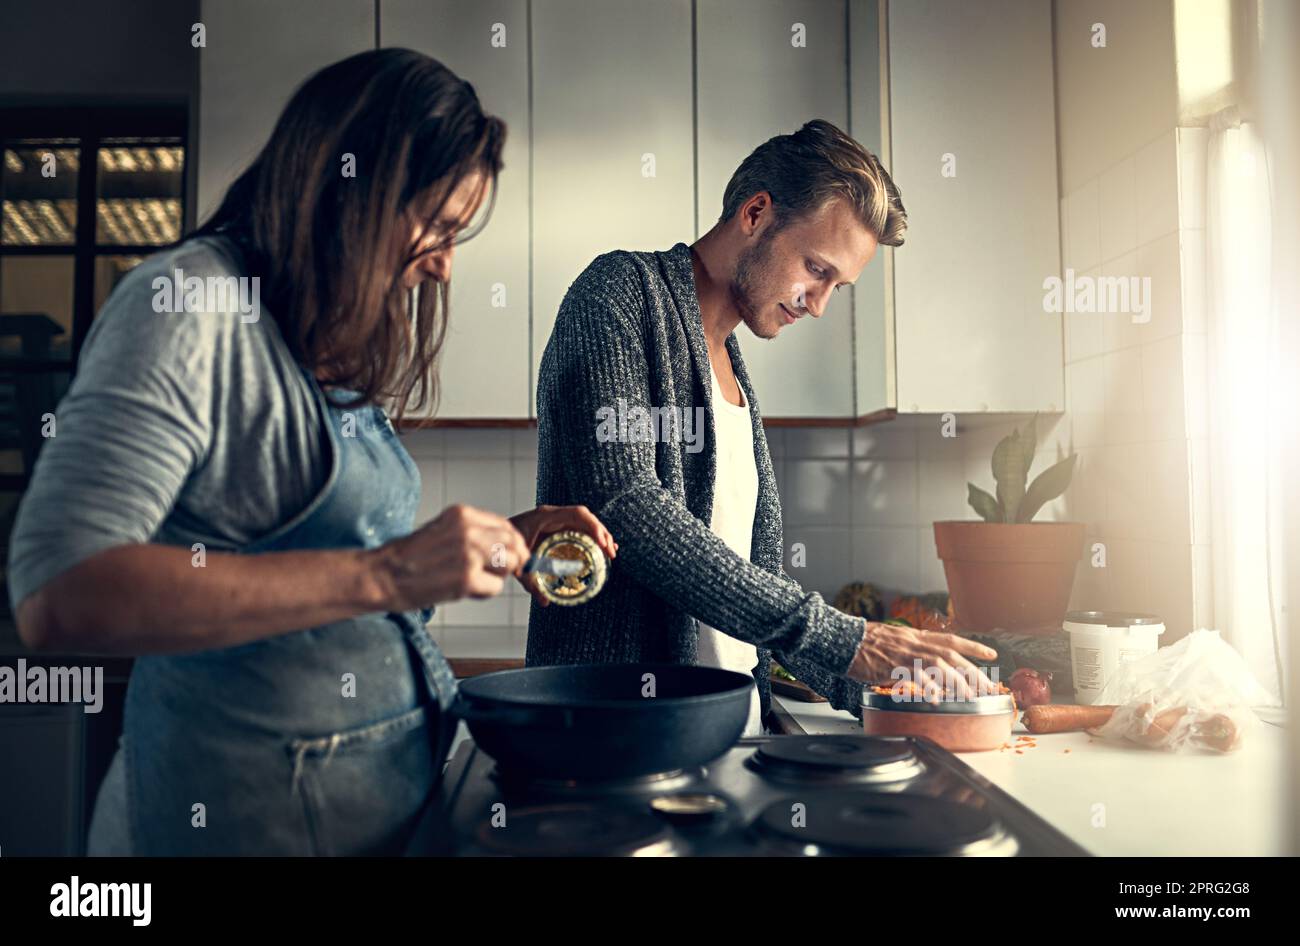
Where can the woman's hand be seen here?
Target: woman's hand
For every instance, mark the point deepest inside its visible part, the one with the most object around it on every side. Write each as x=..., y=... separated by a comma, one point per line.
x=537, y=524
x=943, y=658
x=464, y=553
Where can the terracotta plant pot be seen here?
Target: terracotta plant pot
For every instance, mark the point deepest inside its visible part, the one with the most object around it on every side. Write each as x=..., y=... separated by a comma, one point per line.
x=1010, y=577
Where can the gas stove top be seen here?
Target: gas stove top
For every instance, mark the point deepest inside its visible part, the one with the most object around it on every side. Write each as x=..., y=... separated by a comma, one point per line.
x=768, y=796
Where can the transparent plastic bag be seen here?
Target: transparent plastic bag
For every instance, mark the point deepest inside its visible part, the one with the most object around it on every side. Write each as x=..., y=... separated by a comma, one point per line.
x=1194, y=694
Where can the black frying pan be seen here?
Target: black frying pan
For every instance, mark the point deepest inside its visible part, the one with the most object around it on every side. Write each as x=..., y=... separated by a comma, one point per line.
x=593, y=721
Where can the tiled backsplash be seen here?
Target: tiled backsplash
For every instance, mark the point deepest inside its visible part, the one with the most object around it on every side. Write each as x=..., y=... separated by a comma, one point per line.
x=495, y=470
x=1135, y=391
x=860, y=502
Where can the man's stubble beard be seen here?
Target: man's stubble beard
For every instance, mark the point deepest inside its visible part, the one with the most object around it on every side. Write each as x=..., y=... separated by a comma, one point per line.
x=750, y=274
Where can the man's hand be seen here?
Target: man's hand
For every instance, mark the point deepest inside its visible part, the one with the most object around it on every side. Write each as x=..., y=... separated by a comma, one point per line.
x=537, y=524
x=886, y=647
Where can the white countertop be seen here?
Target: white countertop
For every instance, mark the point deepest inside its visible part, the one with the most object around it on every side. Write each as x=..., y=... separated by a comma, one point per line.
x=1120, y=800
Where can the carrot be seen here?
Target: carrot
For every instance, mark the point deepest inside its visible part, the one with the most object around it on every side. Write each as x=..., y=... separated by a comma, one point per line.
x=1161, y=727
x=1056, y=717
x=1218, y=732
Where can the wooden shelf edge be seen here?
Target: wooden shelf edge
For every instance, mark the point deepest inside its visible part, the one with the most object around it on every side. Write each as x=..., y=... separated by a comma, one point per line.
x=463, y=667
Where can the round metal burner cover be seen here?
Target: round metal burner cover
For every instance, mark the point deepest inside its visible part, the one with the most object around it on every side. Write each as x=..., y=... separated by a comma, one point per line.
x=848, y=823
x=836, y=752
x=573, y=831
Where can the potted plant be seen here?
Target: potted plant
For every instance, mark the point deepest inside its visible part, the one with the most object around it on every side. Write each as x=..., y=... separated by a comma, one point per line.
x=1007, y=572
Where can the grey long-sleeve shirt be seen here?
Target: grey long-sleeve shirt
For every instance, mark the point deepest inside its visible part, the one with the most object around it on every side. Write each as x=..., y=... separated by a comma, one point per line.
x=179, y=427
x=629, y=335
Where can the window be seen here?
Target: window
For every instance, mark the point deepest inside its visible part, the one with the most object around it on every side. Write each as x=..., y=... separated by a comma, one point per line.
x=85, y=195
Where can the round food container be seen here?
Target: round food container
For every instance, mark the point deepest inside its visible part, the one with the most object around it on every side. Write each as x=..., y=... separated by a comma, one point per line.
x=1102, y=640
x=572, y=589
x=957, y=725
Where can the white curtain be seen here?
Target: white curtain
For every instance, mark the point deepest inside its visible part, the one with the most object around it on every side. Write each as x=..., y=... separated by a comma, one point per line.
x=1251, y=401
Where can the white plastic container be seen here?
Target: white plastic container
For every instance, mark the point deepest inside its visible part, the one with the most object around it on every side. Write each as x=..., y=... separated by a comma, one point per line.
x=1102, y=640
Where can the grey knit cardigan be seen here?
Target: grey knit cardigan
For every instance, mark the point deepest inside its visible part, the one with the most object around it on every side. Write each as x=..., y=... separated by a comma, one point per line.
x=629, y=334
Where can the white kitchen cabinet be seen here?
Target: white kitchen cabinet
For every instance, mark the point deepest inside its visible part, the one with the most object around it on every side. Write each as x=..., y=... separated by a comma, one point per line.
x=973, y=79
x=612, y=138
x=874, y=382
x=627, y=119
x=257, y=54
x=484, y=367
x=765, y=67
x=953, y=320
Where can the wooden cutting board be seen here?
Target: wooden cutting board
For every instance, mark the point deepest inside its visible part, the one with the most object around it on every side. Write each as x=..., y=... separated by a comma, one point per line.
x=796, y=690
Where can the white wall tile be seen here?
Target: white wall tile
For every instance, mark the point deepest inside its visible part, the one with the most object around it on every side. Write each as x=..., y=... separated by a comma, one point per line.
x=1085, y=499
x=1127, y=567
x=482, y=483
x=1157, y=188
x=816, y=493
x=431, y=489
x=1122, y=383
x=1116, y=314
x=929, y=567
x=477, y=443
x=884, y=493
x=886, y=557
x=1168, y=492
x=827, y=556
x=1054, y=435
x=1169, y=588
x=1091, y=590
x=474, y=612
x=1084, y=331
x=932, y=442
x=1162, y=389
x=1162, y=261
x=1127, y=490
x=888, y=441
x=495, y=642
x=520, y=607
x=941, y=492
x=1084, y=222
x=807, y=443
x=1118, y=218
x=523, y=443
x=1085, y=400
x=423, y=444
x=524, y=479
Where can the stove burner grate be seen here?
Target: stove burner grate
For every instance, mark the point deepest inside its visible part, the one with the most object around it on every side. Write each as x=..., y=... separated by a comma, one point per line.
x=848, y=823
x=831, y=760
x=575, y=830
x=523, y=785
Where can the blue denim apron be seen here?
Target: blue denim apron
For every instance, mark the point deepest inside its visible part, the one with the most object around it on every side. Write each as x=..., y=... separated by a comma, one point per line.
x=323, y=741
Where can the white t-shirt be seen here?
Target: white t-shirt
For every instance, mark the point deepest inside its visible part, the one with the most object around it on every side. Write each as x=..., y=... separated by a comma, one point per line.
x=735, y=497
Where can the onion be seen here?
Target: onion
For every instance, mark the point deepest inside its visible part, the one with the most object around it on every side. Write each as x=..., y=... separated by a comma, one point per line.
x=1031, y=687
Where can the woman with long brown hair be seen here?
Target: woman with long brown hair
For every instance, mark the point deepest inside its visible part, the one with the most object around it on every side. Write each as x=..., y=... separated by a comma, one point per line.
x=227, y=500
